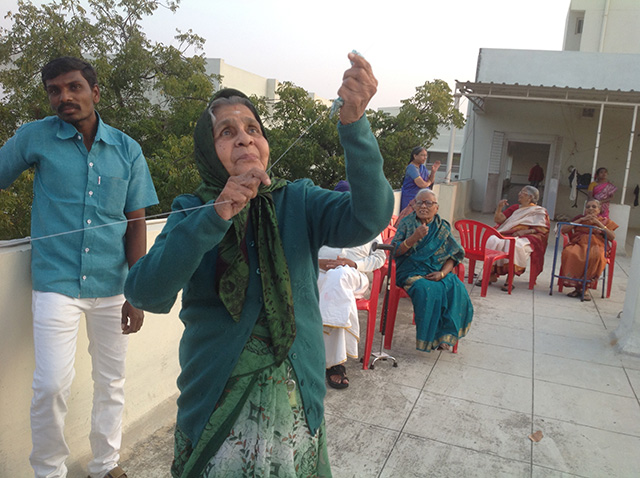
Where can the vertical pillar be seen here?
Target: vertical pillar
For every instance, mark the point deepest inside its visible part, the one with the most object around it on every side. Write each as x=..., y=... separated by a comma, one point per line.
x=626, y=169
x=597, y=148
x=627, y=335
x=452, y=141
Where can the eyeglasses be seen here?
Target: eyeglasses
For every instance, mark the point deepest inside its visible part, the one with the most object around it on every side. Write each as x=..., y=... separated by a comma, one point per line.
x=425, y=204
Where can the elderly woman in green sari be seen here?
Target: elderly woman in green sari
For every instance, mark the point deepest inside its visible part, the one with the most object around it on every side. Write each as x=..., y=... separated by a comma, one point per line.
x=252, y=351
x=426, y=252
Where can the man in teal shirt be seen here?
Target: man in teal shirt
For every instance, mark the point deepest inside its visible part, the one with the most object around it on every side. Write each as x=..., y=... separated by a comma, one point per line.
x=91, y=187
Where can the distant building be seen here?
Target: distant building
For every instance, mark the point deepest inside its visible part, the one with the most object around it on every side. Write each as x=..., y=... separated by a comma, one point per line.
x=604, y=26
x=247, y=82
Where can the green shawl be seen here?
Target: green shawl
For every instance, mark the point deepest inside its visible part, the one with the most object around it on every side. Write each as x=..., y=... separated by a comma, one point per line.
x=274, y=273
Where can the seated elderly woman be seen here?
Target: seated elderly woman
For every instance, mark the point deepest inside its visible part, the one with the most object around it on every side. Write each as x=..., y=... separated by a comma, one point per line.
x=574, y=255
x=529, y=224
x=426, y=252
x=243, y=250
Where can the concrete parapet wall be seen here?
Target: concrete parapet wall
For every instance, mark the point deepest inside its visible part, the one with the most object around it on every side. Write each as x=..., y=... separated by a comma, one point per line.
x=453, y=198
x=152, y=369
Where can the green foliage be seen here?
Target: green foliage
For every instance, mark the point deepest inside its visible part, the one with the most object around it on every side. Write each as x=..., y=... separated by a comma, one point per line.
x=415, y=125
x=15, y=208
x=151, y=91
x=318, y=155
x=155, y=93
x=300, y=128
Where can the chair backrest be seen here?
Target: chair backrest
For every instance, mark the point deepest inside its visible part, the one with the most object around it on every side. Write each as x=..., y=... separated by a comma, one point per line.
x=388, y=233
x=376, y=284
x=474, y=235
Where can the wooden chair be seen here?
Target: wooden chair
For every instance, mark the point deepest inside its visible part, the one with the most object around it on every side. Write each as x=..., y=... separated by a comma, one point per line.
x=473, y=238
x=607, y=274
x=395, y=294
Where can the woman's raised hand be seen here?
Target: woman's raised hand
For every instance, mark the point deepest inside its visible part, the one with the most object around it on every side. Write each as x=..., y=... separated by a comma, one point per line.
x=238, y=191
x=358, y=87
x=420, y=232
x=503, y=203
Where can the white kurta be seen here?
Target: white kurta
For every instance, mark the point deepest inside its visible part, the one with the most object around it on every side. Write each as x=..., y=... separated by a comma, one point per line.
x=339, y=288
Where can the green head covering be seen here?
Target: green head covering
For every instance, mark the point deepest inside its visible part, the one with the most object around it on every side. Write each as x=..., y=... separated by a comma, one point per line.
x=274, y=273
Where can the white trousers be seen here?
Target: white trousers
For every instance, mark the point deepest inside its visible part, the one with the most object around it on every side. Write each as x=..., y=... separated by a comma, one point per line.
x=521, y=254
x=338, y=290
x=56, y=320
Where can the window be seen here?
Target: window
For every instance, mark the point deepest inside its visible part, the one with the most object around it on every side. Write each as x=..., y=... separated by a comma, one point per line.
x=579, y=25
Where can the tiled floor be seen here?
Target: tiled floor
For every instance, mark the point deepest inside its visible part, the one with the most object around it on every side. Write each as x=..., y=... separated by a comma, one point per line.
x=530, y=362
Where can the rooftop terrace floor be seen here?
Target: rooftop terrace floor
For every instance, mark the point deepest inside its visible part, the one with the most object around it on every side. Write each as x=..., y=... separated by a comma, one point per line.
x=530, y=362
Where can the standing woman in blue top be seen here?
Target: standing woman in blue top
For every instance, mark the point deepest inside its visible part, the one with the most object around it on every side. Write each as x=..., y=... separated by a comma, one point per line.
x=252, y=351
x=417, y=176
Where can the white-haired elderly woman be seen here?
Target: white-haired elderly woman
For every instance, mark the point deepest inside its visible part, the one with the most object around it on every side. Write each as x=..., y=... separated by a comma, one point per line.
x=529, y=224
x=426, y=252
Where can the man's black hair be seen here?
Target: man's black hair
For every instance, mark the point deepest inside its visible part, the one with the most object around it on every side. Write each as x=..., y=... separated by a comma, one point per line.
x=65, y=64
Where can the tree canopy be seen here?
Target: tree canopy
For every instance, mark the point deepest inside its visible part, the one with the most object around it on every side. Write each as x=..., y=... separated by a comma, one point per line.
x=151, y=91
x=318, y=155
x=155, y=93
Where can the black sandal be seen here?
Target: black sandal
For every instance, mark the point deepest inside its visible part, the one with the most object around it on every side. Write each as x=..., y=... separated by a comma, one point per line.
x=341, y=371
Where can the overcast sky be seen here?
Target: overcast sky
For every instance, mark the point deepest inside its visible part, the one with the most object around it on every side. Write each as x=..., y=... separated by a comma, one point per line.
x=407, y=42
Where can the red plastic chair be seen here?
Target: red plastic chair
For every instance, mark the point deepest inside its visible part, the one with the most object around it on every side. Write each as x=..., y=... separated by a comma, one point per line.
x=388, y=233
x=607, y=274
x=371, y=306
x=395, y=294
x=473, y=238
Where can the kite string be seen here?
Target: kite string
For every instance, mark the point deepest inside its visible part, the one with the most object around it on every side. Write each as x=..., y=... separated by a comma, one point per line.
x=335, y=107
x=162, y=214
x=114, y=223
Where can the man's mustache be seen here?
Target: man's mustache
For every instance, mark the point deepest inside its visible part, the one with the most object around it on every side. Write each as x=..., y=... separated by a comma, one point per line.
x=68, y=105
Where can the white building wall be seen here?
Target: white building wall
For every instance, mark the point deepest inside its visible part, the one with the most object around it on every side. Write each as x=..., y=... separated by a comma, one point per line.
x=150, y=388
x=618, y=20
x=245, y=81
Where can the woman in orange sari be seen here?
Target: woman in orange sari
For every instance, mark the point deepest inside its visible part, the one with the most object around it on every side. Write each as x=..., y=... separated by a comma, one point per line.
x=529, y=224
x=574, y=255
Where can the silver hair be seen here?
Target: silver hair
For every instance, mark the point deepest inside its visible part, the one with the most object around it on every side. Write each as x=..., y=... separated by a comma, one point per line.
x=427, y=190
x=533, y=192
x=593, y=200
x=232, y=100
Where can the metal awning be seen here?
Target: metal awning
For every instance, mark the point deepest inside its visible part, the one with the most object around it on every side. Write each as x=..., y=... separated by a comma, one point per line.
x=481, y=91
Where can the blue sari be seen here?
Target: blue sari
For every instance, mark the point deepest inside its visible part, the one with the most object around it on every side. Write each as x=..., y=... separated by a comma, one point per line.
x=443, y=310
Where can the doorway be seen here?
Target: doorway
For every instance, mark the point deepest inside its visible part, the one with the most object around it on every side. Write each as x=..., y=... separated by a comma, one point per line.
x=521, y=158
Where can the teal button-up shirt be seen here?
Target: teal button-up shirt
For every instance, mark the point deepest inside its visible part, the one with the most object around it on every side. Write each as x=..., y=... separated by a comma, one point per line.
x=80, y=198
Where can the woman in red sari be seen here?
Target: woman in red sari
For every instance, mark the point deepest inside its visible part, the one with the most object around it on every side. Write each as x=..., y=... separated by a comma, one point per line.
x=602, y=190
x=574, y=255
x=529, y=224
